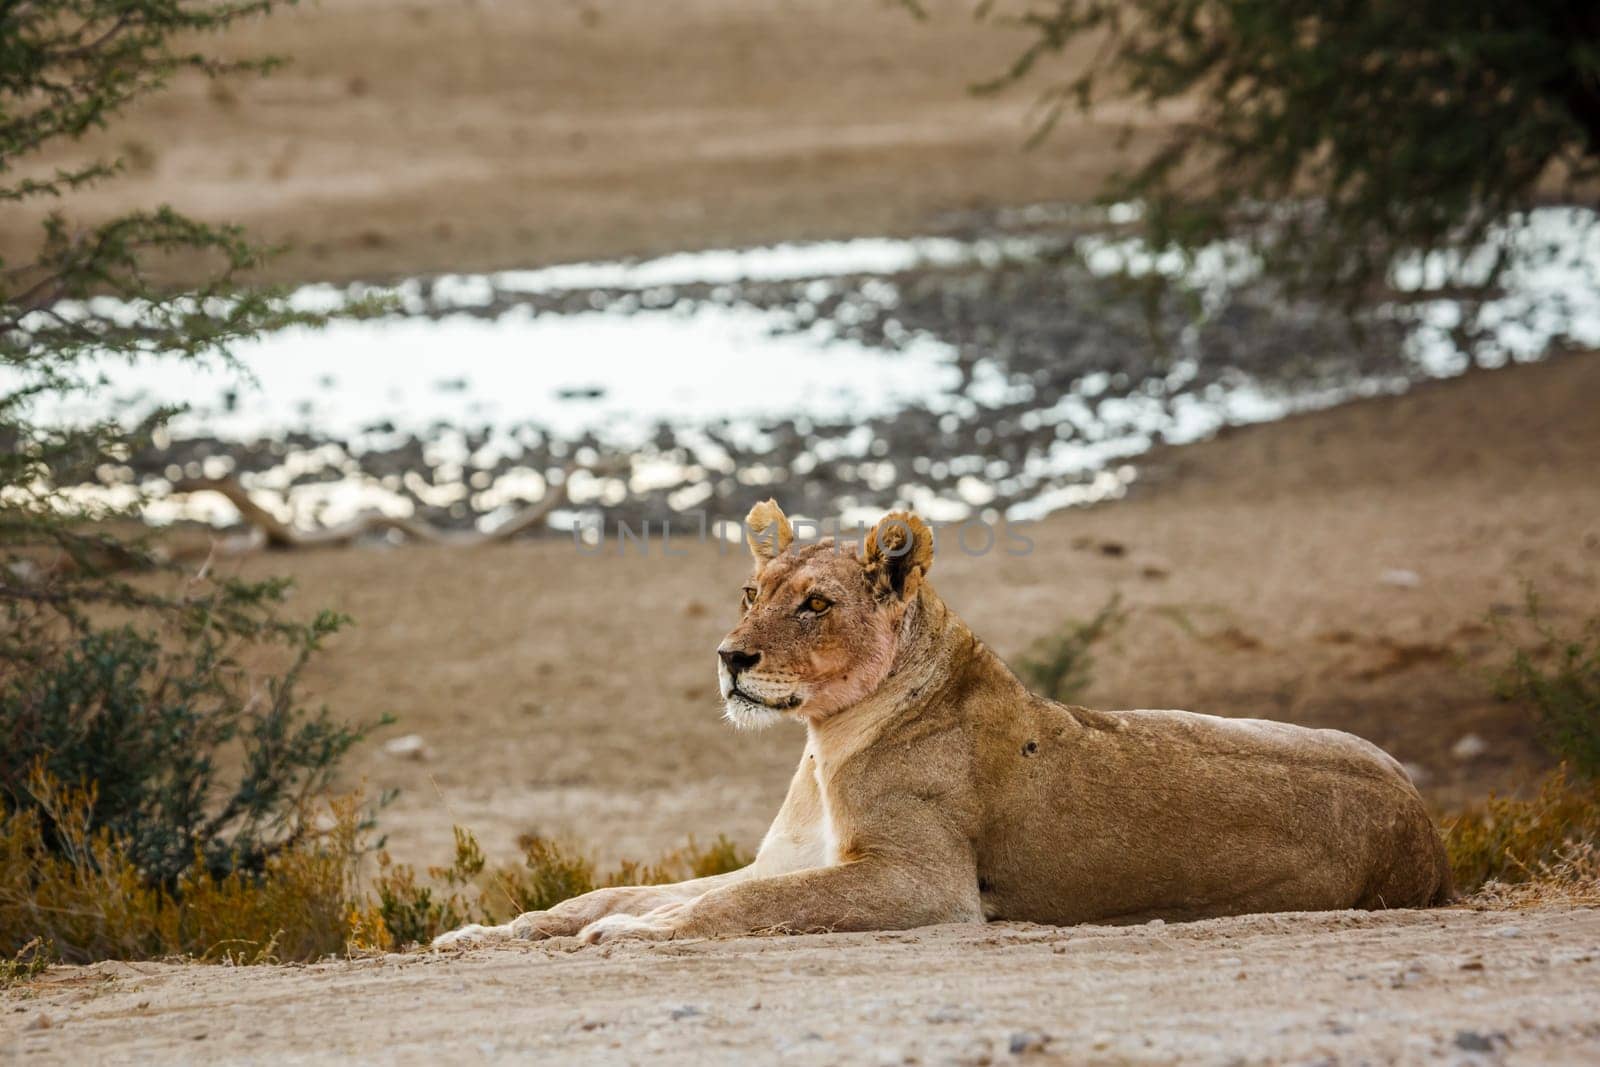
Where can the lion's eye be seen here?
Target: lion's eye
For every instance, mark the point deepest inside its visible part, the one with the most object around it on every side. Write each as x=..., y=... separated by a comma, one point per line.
x=816, y=605
x=748, y=600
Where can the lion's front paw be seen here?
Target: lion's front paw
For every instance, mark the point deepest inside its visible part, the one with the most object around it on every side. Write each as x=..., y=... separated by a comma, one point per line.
x=471, y=935
x=538, y=925
x=625, y=928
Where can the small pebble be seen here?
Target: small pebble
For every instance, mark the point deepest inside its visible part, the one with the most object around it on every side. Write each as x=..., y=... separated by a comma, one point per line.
x=950, y=1013
x=1408, y=977
x=1026, y=1041
x=1418, y=774
x=977, y=1053
x=411, y=747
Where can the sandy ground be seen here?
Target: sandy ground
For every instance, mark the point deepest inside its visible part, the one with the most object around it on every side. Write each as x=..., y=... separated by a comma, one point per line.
x=409, y=137
x=1451, y=986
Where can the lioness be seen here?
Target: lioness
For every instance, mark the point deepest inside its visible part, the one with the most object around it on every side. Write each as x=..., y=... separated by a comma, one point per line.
x=935, y=788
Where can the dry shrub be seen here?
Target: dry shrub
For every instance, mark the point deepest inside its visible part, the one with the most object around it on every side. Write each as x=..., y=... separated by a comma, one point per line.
x=1547, y=843
x=1557, y=677
x=412, y=912
x=186, y=749
x=26, y=964
x=75, y=885
x=302, y=907
x=722, y=857
x=1572, y=878
x=550, y=873
x=68, y=883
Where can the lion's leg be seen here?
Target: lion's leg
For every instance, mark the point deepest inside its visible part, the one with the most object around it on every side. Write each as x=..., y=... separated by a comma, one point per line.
x=793, y=842
x=570, y=916
x=867, y=894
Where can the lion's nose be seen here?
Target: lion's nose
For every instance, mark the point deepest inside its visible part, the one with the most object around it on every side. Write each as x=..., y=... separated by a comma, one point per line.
x=738, y=661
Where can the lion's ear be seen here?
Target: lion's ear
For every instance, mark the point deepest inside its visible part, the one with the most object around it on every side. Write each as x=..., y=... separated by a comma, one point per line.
x=899, y=553
x=768, y=531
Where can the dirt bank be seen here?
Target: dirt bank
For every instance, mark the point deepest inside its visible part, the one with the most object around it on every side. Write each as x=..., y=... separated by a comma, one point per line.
x=1329, y=987
x=409, y=137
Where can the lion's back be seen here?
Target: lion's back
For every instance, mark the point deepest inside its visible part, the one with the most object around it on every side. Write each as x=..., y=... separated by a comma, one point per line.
x=1172, y=813
x=1282, y=742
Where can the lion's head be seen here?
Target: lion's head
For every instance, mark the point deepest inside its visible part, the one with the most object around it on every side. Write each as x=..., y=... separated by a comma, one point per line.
x=820, y=621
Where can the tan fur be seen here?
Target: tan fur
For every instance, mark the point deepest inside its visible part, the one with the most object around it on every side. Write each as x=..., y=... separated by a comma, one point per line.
x=935, y=788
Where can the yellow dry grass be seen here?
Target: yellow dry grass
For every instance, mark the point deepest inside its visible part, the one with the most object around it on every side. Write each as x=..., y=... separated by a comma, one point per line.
x=1545, y=849
x=70, y=891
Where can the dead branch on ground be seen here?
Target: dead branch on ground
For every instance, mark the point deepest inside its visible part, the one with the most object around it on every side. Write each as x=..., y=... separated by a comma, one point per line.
x=269, y=531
